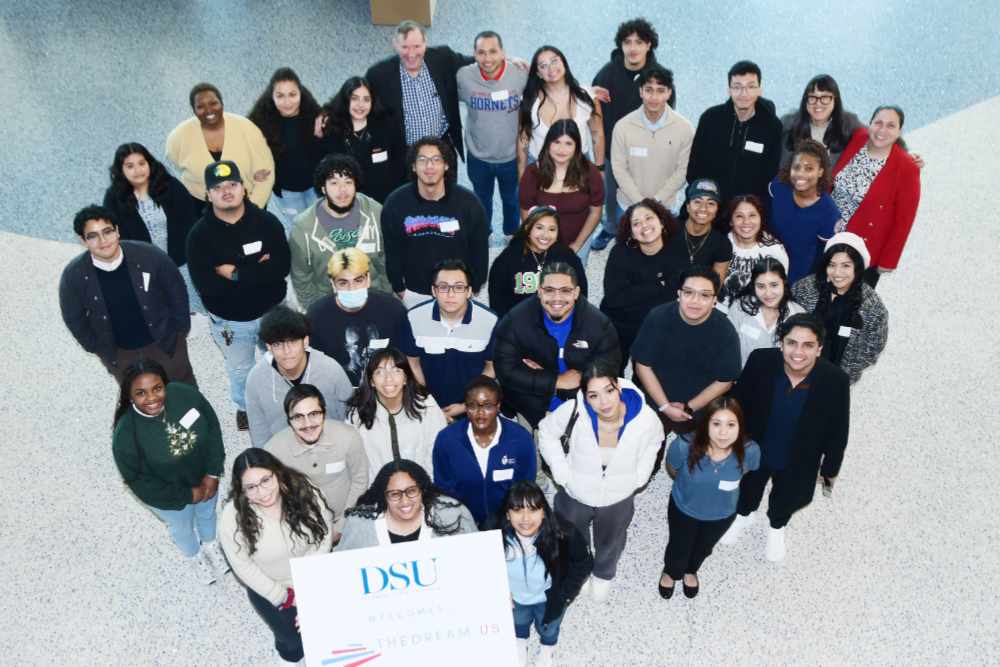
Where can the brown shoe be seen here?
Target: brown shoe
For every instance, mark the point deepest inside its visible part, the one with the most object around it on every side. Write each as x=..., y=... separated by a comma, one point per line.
x=242, y=423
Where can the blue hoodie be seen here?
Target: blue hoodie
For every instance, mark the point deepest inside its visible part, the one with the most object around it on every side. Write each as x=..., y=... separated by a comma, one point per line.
x=457, y=471
x=633, y=401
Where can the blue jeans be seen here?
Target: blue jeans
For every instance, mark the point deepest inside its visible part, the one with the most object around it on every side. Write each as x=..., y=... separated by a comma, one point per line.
x=526, y=614
x=482, y=174
x=289, y=204
x=181, y=525
x=238, y=342
x=194, y=300
x=612, y=211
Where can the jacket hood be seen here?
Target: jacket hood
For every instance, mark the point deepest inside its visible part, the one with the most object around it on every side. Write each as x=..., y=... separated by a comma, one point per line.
x=617, y=57
x=631, y=397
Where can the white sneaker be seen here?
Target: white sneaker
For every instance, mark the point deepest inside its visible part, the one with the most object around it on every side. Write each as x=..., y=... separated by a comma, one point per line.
x=775, y=545
x=201, y=569
x=545, y=656
x=522, y=652
x=600, y=589
x=735, y=531
x=213, y=551
x=285, y=663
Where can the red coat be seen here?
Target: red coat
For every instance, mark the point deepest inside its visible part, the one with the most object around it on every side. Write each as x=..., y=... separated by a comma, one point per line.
x=886, y=214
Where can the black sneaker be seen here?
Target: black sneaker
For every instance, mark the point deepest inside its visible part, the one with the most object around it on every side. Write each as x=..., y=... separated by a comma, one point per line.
x=242, y=423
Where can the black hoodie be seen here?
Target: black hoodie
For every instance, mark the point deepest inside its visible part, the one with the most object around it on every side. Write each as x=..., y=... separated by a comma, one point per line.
x=741, y=157
x=623, y=84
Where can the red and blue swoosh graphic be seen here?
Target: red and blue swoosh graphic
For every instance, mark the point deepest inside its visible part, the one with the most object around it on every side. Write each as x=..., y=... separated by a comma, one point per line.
x=351, y=655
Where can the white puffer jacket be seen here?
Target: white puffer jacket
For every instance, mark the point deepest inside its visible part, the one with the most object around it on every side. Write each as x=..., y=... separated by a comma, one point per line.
x=579, y=472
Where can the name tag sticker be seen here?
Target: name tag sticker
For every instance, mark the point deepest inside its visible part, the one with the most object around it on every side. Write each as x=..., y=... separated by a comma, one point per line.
x=252, y=248
x=750, y=331
x=638, y=151
x=189, y=418
x=449, y=226
x=754, y=147
x=845, y=331
x=726, y=485
x=335, y=467
x=145, y=281
x=378, y=343
x=499, y=95
x=503, y=475
x=379, y=156
x=367, y=247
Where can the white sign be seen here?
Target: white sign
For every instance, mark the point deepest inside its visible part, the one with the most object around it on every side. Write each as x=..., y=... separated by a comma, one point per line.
x=430, y=602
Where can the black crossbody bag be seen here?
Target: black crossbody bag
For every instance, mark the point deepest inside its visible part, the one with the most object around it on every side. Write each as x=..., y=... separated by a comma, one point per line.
x=565, y=437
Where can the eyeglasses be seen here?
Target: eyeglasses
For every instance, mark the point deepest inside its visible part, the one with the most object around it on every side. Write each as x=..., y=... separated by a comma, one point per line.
x=544, y=66
x=561, y=291
x=266, y=482
x=692, y=294
x=451, y=289
x=302, y=417
x=387, y=371
x=819, y=99
x=752, y=88
x=395, y=495
x=429, y=159
x=481, y=407
x=106, y=233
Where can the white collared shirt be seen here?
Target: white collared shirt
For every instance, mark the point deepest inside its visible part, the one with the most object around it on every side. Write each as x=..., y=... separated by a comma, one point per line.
x=483, y=453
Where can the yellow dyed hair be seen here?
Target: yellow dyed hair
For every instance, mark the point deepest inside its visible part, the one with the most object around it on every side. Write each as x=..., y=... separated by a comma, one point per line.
x=348, y=259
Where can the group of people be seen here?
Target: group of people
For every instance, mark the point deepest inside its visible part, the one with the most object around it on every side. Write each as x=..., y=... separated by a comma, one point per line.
x=385, y=404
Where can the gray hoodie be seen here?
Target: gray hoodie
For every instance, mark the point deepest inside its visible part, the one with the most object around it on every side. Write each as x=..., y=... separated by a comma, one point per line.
x=266, y=389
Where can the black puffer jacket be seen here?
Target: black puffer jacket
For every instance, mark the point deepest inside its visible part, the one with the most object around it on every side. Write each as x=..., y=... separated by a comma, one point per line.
x=521, y=334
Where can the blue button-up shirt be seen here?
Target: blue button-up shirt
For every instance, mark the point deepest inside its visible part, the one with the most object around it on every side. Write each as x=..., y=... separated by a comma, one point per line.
x=423, y=113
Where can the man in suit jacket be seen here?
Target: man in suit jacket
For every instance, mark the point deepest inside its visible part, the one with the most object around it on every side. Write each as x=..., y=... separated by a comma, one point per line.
x=418, y=87
x=797, y=408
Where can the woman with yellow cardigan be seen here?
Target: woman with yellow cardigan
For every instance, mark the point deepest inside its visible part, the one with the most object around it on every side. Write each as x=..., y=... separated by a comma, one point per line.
x=213, y=135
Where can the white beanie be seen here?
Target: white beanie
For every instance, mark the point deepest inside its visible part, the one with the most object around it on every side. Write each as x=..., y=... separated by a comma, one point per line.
x=853, y=240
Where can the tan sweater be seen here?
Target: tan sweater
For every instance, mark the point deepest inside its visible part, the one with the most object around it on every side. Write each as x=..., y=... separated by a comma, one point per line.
x=337, y=463
x=650, y=164
x=244, y=144
x=268, y=572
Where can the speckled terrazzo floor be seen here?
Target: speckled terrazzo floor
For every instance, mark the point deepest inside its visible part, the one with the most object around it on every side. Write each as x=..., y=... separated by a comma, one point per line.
x=901, y=567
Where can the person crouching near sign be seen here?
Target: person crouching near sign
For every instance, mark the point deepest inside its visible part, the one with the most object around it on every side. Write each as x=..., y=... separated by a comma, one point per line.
x=273, y=514
x=402, y=505
x=547, y=563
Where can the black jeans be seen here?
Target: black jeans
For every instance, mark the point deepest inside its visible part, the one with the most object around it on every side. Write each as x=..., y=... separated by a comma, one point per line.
x=287, y=640
x=691, y=541
x=780, y=505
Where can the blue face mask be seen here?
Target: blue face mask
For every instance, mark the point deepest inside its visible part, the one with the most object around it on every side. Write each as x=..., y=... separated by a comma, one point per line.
x=353, y=299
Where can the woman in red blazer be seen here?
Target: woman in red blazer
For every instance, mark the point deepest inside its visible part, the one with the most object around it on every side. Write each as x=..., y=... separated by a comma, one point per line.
x=877, y=189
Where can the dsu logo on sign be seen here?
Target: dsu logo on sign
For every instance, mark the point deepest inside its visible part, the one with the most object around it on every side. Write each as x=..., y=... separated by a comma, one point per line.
x=399, y=576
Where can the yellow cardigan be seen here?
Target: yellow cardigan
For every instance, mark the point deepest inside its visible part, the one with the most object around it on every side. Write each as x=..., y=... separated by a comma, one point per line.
x=244, y=144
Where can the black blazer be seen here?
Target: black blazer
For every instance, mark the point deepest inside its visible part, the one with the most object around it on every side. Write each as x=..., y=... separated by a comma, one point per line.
x=179, y=207
x=823, y=428
x=443, y=64
x=521, y=334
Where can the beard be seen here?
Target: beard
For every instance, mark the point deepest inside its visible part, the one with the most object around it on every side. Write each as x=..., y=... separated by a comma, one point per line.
x=341, y=210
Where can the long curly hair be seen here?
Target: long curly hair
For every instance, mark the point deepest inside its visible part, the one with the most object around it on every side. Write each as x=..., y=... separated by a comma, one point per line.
x=535, y=88
x=578, y=169
x=700, y=441
x=122, y=190
x=667, y=221
x=854, y=295
x=747, y=297
x=837, y=133
x=526, y=493
x=372, y=503
x=814, y=149
x=138, y=367
x=364, y=401
x=301, y=501
x=267, y=117
x=338, y=108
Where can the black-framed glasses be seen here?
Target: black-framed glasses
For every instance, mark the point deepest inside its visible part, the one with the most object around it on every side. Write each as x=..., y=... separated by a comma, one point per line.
x=445, y=288
x=395, y=495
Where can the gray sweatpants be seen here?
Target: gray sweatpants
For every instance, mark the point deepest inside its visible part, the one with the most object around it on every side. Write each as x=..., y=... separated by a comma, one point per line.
x=610, y=529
